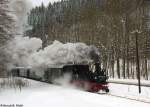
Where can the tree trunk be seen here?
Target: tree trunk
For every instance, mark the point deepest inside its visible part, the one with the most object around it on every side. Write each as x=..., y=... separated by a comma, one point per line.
x=118, y=68
x=146, y=70
x=123, y=68
x=112, y=69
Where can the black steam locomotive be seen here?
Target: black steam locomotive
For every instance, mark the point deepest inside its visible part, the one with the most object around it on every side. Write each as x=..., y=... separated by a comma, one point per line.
x=81, y=75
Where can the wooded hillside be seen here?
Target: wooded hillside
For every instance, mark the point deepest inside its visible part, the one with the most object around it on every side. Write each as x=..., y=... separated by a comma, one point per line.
x=108, y=24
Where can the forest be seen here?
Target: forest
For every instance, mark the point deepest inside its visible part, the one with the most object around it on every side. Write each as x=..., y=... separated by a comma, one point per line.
x=118, y=28
x=110, y=25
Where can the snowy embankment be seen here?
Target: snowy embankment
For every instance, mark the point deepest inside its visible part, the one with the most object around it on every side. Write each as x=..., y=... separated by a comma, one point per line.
x=144, y=83
x=118, y=87
x=39, y=94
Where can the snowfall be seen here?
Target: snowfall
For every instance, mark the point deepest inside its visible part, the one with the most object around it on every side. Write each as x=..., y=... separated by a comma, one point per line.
x=39, y=94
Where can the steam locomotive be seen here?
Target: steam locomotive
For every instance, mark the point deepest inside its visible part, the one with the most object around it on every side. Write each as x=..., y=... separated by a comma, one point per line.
x=81, y=75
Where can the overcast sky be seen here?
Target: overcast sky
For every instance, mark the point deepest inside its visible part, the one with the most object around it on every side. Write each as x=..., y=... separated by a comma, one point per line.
x=38, y=2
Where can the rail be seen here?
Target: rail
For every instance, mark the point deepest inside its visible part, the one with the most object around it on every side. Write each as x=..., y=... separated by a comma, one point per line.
x=129, y=82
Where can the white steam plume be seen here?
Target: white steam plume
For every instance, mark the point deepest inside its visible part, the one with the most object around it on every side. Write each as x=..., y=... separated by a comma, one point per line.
x=19, y=10
x=28, y=52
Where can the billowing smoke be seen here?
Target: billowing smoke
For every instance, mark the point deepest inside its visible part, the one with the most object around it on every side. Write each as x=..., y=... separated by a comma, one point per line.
x=28, y=52
x=19, y=10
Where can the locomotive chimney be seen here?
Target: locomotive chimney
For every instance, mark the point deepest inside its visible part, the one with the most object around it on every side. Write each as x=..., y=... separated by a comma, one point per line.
x=97, y=67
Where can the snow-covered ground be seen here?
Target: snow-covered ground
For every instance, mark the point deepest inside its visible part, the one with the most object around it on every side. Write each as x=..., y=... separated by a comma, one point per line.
x=130, y=91
x=130, y=81
x=39, y=94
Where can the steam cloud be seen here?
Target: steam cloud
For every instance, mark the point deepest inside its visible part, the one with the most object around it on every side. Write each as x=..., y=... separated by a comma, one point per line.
x=25, y=51
x=28, y=52
x=19, y=10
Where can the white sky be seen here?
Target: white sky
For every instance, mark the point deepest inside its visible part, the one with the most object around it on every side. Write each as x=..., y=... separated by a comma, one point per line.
x=38, y=2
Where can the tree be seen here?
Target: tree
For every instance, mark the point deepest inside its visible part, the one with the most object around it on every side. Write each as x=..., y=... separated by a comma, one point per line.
x=5, y=30
x=106, y=24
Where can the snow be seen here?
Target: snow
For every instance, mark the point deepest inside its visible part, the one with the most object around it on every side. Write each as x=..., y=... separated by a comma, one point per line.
x=39, y=94
x=130, y=81
x=130, y=91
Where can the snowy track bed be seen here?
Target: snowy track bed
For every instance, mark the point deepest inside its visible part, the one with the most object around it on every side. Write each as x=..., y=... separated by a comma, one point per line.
x=39, y=94
x=144, y=83
x=130, y=92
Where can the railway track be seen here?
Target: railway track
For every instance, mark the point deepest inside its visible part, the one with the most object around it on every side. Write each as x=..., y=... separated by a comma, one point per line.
x=144, y=84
